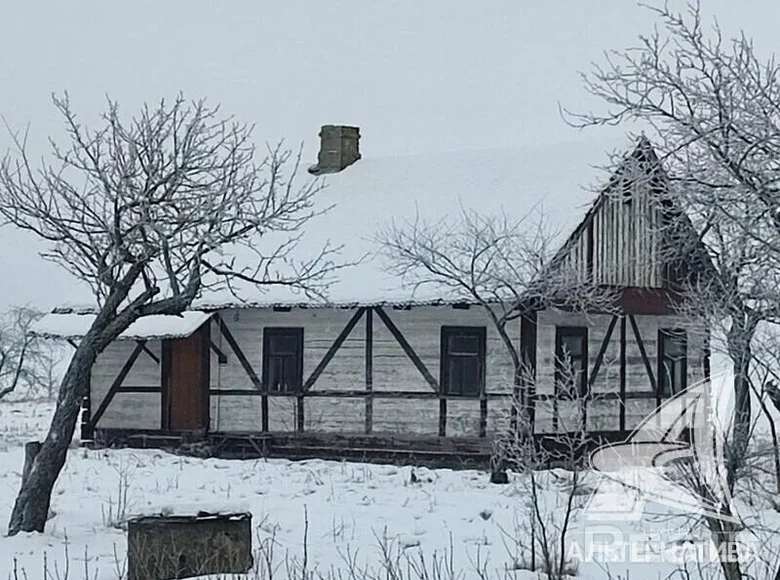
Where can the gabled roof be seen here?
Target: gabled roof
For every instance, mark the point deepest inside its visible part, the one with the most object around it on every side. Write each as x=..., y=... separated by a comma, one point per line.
x=553, y=182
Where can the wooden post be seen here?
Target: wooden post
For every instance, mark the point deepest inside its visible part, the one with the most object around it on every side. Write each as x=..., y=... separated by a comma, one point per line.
x=369, y=370
x=299, y=412
x=527, y=388
x=623, y=373
x=483, y=415
x=442, y=415
x=165, y=383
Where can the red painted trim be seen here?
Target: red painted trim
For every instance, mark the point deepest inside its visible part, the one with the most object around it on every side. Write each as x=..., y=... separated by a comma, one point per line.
x=637, y=301
x=644, y=301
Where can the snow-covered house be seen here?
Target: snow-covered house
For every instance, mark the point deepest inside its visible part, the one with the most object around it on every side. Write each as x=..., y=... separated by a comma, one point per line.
x=381, y=365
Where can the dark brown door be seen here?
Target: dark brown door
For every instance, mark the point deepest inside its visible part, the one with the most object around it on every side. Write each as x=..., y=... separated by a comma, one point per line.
x=186, y=383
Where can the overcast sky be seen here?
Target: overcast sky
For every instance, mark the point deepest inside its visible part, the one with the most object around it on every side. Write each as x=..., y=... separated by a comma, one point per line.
x=415, y=75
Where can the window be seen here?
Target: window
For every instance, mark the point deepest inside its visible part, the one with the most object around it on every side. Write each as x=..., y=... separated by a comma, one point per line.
x=463, y=360
x=571, y=361
x=283, y=359
x=672, y=361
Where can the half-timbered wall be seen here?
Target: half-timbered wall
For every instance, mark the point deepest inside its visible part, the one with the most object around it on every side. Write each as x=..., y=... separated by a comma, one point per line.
x=127, y=410
x=392, y=370
x=621, y=244
x=604, y=412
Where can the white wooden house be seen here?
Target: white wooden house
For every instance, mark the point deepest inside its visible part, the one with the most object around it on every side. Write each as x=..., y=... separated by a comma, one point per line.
x=380, y=365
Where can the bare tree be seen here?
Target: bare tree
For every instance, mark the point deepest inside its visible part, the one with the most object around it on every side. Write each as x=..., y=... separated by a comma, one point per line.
x=151, y=213
x=509, y=267
x=713, y=107
x=765, y=376
x=734, y=296
x=540, y=540
x=26, y=364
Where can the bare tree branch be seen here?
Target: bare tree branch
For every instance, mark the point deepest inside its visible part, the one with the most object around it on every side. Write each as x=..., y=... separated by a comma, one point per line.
x=712, y=108
x=153, y=213
x=26, y=362
x=504, y=265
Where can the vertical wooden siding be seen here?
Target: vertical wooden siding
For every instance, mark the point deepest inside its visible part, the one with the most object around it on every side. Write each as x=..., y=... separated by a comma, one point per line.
x=623, y=246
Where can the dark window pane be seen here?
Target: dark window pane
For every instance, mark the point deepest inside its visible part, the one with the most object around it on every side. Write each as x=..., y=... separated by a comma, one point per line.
x=666, y=379
x=464, y=345
x=463, y=359
x=281, y=344
x=570, y=379
x=674, y=344
x=281, y=359
x=276, y=374
x=673, y=349
x=455, y=376
x=285, y=373
x=571, y=351
x=678, y=380
x=470, y=376
x=573, y=345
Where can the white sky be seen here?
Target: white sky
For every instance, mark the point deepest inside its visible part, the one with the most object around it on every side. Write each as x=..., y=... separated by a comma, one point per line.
x=416, y=76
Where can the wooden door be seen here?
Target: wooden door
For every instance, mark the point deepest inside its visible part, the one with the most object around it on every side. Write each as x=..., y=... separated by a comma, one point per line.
x=186, y=383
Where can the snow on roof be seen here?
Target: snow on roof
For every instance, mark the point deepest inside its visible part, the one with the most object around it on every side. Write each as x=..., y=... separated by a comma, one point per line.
x=75, y=324
x=552, y=182
x=556, y=183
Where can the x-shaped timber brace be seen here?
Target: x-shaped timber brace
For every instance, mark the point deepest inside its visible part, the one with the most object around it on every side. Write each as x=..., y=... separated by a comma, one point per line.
x=368, y=393
x=88, y=419
x=528, y=348
x=622, y=395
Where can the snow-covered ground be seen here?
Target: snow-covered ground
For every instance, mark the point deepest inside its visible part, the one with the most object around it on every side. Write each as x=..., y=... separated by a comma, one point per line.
x=345, y=510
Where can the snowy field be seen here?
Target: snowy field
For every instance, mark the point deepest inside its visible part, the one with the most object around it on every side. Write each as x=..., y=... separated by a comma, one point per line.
x=346, y=512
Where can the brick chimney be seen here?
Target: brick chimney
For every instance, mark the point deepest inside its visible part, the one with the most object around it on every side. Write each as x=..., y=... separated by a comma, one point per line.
x=338, y=149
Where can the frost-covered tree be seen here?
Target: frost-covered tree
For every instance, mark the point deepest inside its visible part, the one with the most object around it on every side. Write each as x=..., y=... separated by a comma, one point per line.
x=712, y=108
x=150, y=213
x=506, y=265
x=27, y=364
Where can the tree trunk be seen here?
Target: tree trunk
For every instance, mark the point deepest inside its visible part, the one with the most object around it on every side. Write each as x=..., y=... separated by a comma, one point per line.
x=771, y=389
x=742, y=412
x=739, y=339
x=724, y=538
x=31, y=450
x=31, y=508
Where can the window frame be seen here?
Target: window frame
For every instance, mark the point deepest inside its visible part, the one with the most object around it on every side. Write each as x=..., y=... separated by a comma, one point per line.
x=269, y=332
x=560, y=333
x=663, y=335
x=480, y=333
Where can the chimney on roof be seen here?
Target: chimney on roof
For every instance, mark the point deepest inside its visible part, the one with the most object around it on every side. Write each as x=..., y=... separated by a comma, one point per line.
x=338, y=148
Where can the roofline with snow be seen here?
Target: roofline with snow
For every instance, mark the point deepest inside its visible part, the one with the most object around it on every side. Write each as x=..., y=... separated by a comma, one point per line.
x=341, y=304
